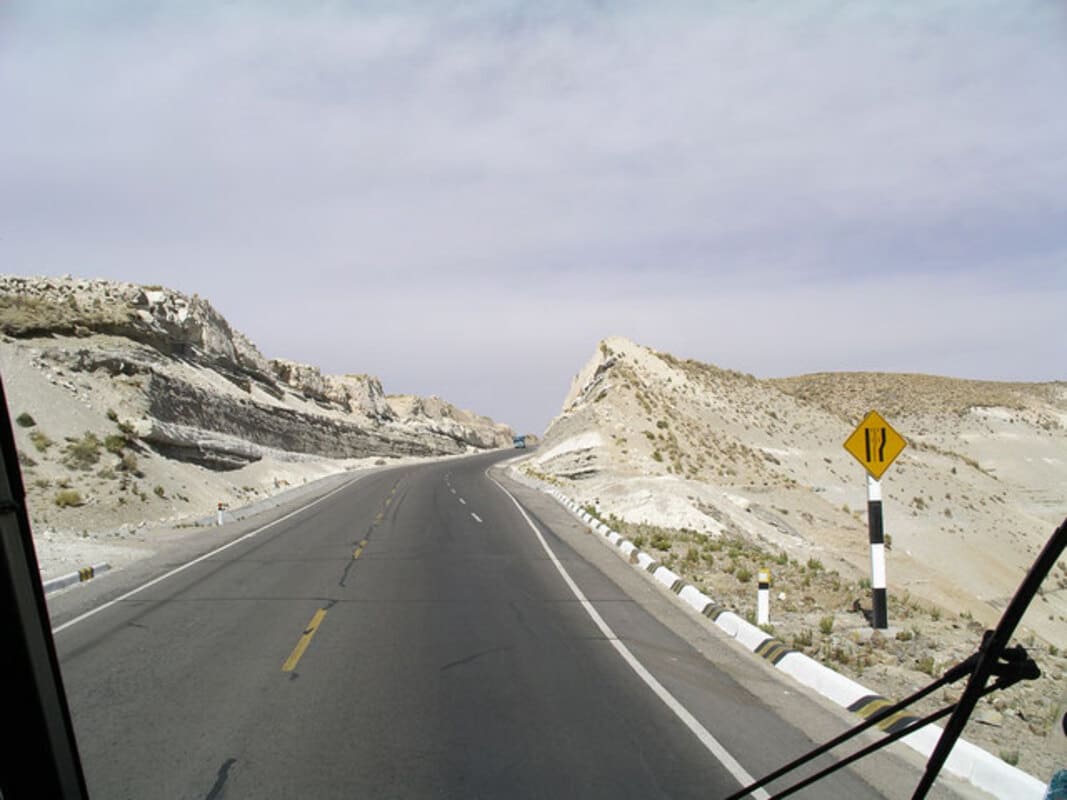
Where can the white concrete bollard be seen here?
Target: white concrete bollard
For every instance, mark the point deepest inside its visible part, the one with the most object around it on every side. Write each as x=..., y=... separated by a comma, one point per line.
x=763, y=599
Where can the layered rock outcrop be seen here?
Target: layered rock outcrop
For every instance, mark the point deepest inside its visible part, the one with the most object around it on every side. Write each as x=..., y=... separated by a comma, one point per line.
x=196, y=390
x=435, y=416
x=674, y=442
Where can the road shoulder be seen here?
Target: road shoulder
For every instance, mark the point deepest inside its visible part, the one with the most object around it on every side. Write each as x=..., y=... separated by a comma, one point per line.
x=175, y=546
x=894, y=773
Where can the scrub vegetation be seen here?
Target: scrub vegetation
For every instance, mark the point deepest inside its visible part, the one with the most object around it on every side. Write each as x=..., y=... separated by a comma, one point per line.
x=824, y=615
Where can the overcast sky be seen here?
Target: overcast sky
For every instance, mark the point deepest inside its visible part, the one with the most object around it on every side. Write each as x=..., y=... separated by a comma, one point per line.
x=464, y=201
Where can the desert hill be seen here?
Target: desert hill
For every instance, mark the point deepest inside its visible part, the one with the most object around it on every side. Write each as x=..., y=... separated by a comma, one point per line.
x=139, y=403
x=653, y=438
x=720, y=474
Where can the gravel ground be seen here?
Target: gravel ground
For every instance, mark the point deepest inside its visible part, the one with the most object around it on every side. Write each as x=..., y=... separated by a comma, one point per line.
x=819, y=611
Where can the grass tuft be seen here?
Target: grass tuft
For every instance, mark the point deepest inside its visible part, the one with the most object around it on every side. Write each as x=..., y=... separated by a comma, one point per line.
x=82, y=453
x=40, y=441
x=68, y=498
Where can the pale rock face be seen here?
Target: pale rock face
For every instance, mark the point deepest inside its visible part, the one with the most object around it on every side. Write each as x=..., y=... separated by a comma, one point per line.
x=434, y=414
x=405, y=405
x=357, y=394
x=202, y=391
x=248, y=354
x=167, y=319
x=682, y=444
x=305, y=379
x=648, y=439
x=360, y=394
x=192, y=320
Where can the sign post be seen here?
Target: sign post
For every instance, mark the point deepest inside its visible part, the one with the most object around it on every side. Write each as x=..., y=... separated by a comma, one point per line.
x=876, y=445
x=876, y=536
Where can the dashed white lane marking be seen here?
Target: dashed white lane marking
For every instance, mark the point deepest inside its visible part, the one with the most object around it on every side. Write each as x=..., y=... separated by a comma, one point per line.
x=452, y=490
x=710, y=742
x=476, y=517
x=463, y=501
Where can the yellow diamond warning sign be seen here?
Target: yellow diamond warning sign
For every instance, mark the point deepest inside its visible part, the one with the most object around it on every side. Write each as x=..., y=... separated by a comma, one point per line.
x=875, y=444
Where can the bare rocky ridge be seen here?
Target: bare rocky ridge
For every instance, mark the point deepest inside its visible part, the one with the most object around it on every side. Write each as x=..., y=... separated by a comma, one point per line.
x=720, y=473
x=438, y=417
x=146, y=404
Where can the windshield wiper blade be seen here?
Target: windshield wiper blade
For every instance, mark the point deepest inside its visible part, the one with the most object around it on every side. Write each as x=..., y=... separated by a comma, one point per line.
x=994, y=658
x=989, y=655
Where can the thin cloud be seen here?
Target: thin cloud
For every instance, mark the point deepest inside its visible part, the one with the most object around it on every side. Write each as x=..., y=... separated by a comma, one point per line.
x=440, y=196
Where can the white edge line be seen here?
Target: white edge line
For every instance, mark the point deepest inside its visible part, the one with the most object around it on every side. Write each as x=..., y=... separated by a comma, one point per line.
x=198, y=559
x=710, y=742
x=968, y=761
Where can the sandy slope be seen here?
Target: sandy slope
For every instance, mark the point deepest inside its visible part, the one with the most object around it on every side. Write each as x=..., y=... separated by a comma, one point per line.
x=116, y=508
x=968, y=504
x=706, y=453
x=141, y=407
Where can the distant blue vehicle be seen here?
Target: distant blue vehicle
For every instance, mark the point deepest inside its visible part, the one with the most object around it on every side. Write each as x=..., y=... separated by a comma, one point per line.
x=519, y=442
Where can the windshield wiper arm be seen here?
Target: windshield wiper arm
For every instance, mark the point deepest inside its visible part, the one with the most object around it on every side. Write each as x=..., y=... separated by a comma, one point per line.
x=994, y=658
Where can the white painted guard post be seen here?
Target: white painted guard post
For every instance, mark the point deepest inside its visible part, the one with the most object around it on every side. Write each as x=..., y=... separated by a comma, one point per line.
x=763, y=600
x=880, y=616
x=218, y=520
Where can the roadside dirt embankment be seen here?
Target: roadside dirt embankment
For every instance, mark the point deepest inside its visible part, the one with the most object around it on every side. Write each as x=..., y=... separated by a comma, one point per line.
x=138, y=406
x=722, y=474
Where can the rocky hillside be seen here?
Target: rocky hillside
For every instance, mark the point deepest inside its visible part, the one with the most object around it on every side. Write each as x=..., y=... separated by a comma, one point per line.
x=653, y=438
x=438, y=417
x=719, y=474
x=142, y=393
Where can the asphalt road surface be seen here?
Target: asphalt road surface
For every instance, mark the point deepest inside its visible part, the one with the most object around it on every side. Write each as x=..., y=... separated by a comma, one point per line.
x=408, y=635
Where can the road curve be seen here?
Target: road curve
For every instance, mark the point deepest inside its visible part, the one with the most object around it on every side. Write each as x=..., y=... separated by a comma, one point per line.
x=407, y=636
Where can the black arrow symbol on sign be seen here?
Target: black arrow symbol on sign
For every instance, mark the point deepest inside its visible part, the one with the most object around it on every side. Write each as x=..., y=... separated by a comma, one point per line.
x=881, y=445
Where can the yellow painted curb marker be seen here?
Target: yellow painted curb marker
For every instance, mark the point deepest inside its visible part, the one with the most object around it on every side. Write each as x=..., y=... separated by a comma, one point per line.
x=305, y=640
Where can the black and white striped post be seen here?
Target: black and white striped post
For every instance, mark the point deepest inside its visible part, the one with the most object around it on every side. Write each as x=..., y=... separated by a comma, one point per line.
x=876, y=445
x=876, y=530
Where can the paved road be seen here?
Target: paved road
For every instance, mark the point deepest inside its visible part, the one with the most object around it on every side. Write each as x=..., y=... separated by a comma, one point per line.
x=407, y=636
